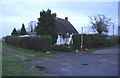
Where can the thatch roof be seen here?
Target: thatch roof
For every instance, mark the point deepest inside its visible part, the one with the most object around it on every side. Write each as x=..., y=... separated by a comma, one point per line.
x=64, y=27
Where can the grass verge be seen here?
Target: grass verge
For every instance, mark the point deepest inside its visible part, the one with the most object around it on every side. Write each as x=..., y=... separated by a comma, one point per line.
x=13, y=49
x=12, y=66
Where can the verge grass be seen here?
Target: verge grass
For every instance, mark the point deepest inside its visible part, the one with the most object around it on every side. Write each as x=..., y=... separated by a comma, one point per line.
x=12, y=66
x=15, y=67
x=14, y=49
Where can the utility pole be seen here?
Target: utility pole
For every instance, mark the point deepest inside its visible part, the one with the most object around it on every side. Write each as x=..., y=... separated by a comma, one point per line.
x=113, y=30
x=82, y=41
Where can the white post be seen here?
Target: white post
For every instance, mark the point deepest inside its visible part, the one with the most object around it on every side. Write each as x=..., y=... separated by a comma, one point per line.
x=81, y=40
x=113, y=30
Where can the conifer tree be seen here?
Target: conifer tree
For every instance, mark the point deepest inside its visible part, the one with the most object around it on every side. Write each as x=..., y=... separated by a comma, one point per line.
x=23, y=30
x=46, y=25
x=14, y=32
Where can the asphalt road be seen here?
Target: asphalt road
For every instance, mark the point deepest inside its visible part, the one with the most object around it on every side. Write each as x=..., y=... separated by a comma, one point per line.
x=96, y=63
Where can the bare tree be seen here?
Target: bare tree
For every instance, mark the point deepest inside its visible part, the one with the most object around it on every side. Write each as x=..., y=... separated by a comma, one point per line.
x=100, y=23
x=31, y=26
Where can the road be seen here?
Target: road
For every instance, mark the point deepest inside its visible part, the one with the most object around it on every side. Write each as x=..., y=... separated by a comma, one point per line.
x=96, y=63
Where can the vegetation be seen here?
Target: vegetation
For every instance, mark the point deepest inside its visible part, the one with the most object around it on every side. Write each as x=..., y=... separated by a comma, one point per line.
x=15, y=51
x=76, y=41
x=94, y=41
x=15, y=67
x=46, y=25
x=23, y=30
x=42, y=43
x=118, y=39
x=62, y=48
x=100, y=23
x=14, y=32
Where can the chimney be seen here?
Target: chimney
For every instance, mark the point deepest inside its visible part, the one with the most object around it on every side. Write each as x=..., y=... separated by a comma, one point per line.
x=54, y=14
x=66, y=18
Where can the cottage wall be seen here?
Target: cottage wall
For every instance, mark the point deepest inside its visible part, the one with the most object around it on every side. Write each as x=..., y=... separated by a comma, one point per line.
x=62, y=41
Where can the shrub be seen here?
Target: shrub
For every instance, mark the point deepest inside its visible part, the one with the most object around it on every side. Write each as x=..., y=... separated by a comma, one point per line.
x=62, y=48
x=118, y=39
x=93, y=41
x=76, y=41
x=113, y=40
x=42, y=43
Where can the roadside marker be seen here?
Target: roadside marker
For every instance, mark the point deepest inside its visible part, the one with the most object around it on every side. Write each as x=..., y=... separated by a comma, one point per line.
x=81, y=40
x=81, y=50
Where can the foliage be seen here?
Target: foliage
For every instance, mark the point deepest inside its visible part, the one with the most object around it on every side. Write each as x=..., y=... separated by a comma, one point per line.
x=14, y=32
x=100, y=23
x=46, y=25
x=42, y=43
x=114, y=40
x=23, y=30
x=94, y=41
x=61, y=48
x=76, y=41
x=17, y=51
x=118, y=39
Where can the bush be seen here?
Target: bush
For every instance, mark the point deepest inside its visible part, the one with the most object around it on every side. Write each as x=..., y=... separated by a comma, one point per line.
x=62, y=48
x=93, y=41
x=118, y=39
x=76, y=41
x=42, y=43
x=114, y=40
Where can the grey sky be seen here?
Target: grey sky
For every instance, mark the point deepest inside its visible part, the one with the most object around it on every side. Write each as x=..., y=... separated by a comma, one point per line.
x=14, y=13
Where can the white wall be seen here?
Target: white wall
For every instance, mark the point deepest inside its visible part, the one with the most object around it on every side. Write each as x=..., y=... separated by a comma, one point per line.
x=63, y=40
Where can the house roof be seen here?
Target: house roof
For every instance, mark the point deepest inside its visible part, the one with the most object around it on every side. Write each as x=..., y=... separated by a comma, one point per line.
x=64, y=27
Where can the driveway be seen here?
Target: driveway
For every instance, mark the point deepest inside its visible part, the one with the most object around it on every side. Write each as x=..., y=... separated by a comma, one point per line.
x=96, y=63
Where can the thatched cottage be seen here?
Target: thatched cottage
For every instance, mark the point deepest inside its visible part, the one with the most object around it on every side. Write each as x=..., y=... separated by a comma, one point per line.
x=65, y=30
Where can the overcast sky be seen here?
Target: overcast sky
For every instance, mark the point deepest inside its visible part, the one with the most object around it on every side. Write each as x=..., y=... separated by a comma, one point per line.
x=14, y=13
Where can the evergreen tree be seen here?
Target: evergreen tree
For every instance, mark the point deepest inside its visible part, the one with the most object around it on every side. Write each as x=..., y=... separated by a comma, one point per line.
x=14, y=32
x=23, y=30
x=46, y=25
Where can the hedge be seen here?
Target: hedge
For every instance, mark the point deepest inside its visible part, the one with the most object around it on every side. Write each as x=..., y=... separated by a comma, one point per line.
x=63, y=48
x=118, y=39
x=42, y=43
x=94, y=41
